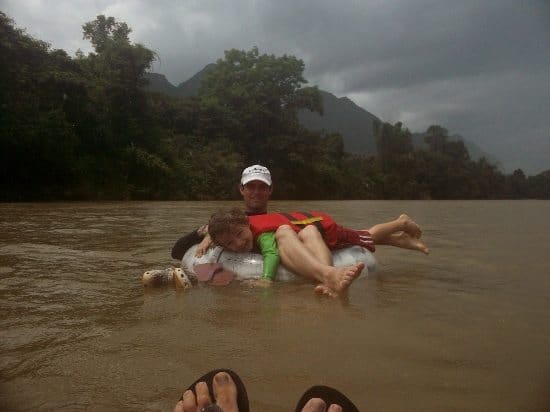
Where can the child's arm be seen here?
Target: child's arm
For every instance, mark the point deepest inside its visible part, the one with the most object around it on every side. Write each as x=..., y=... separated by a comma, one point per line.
x=270, y=253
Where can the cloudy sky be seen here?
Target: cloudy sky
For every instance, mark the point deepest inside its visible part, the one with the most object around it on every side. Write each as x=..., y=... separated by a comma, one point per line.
x=479, y=68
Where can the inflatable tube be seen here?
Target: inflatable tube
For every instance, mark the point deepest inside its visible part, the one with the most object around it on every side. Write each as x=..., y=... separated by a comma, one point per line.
x=249, y=265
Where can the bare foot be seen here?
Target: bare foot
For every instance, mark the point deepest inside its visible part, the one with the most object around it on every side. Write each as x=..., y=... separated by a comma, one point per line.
x=413, y=243
x=417, y=244
x=225, y=392
x=405, y=241
x=319, y=405
x=410, y=226
x=323, y=290
x=339, y=279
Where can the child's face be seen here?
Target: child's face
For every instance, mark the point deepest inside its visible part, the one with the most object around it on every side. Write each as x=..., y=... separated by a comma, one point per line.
x=238, y=239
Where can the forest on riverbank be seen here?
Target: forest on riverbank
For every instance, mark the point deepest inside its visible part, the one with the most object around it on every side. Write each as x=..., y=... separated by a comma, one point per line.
x=86, y=128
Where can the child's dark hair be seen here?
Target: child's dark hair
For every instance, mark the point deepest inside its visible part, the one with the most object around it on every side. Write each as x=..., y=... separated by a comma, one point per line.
x=222, y=221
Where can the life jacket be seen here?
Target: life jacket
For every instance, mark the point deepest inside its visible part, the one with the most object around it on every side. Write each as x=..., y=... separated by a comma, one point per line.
x=296, y=220
x=334, y=235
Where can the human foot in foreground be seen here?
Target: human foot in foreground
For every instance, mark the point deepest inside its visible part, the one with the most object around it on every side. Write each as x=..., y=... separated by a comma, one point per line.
x=324, y=399
x=229, y=393
x=319, y=405
x=339, y=279
x=218, y=390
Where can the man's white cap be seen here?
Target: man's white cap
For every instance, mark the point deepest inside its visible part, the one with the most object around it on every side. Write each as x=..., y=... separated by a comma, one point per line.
x=256, y=172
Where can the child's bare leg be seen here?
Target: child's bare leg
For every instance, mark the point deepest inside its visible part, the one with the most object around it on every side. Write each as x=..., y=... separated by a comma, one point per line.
x=299, y=259
x=405, y=241
x=383, y=231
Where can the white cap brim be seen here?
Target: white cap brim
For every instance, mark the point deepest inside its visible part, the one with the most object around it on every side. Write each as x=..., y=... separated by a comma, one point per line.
x=252, y=177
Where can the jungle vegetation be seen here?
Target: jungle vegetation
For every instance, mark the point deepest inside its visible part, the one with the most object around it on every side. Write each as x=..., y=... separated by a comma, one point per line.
x=85, y=128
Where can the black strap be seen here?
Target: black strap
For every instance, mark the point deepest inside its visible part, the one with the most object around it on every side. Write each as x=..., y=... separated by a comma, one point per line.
x=288, y=216
x=317, y=223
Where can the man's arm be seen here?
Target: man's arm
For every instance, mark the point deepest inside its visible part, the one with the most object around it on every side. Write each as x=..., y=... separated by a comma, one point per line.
x=185, y=242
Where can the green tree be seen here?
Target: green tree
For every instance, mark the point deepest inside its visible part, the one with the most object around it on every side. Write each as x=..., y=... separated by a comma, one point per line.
x=123, y=152
x=85, y=128
x=437, y=138
x=486, y=182
x=104, y=31
x=517, y=185
x=248, y=97
x=392, y=144
x=539, y=185
x=37, y=139
x=447, y=170
x=117, y=68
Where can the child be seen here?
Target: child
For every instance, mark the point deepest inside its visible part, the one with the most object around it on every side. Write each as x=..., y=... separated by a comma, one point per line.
x=237, y=232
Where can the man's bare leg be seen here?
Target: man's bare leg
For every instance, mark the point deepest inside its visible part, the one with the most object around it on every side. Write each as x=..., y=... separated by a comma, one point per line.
x=299, y=259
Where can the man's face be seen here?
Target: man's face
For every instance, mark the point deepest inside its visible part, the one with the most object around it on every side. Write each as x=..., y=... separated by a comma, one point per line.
x=238, y=239
x=256, y=195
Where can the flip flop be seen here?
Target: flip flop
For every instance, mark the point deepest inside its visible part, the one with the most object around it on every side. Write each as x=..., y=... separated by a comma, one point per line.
x=242, y=397
x=329, y=395
x=214, y=274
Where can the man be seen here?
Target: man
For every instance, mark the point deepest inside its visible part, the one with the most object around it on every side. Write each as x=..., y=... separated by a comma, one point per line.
x=301, y=253
x=256, y=188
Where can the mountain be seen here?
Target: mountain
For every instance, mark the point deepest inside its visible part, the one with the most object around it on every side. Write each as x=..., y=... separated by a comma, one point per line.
x=191, y=86
x=158, y=83
x=340, y=115
x=474, y=150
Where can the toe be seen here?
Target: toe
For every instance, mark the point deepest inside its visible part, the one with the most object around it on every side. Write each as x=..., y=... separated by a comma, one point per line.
x=225, y=392
x=315, y=405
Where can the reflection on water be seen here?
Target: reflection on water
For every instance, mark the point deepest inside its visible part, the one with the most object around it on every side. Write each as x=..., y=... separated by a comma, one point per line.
x=467, y=328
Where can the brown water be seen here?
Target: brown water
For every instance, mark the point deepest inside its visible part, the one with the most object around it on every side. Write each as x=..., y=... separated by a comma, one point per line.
x=467, y=328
